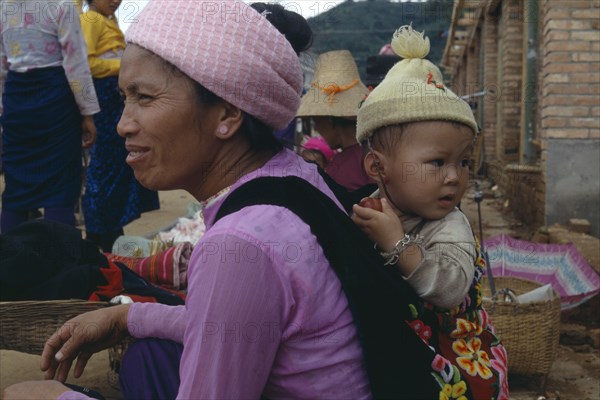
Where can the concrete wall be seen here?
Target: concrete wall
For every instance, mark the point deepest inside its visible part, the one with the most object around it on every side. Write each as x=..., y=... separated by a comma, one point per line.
x=573, y=181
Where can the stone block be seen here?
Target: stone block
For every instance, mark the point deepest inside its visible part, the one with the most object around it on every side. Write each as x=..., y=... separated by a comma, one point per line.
x=580, y=225
x=595, y=337
x=573, y=335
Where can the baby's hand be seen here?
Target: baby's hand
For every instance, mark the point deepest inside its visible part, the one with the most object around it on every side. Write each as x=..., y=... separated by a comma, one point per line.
x=383, y=227
x=371, y=202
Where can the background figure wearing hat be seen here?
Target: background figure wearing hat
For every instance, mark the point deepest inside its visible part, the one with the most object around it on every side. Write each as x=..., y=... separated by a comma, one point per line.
x=317, y=150
x=379, y=65
x=332, y=102
x=46, y=102
x=418, y=137
x=377, y=68
x=113, y=197
x=257, y=314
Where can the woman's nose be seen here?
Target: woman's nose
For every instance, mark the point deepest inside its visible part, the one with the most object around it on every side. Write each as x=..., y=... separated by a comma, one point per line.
x=127, y=125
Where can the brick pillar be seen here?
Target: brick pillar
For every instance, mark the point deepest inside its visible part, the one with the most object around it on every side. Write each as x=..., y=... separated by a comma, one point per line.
x=490, y=84
x=510, y=80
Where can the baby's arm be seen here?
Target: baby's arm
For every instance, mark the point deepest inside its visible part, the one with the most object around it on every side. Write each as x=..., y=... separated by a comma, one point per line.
x=446, y=272
x=385, y=229
x=441, y=271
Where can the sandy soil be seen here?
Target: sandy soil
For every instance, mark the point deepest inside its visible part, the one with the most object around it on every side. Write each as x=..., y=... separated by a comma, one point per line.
x=574, y=375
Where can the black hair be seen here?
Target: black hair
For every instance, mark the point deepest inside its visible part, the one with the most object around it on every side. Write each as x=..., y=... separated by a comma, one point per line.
x=386, y=138
x=292, y=25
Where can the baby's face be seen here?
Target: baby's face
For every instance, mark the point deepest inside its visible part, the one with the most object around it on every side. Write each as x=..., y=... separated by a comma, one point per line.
x=429, y=171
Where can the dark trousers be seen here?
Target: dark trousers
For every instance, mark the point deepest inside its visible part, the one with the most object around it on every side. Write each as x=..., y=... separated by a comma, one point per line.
x=150, y=369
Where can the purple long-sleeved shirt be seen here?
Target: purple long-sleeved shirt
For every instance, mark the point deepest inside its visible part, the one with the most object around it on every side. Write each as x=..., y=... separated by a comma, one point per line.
x=265, y=313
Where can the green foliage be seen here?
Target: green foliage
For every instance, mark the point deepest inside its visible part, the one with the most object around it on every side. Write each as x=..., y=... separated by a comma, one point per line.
x=363, y=27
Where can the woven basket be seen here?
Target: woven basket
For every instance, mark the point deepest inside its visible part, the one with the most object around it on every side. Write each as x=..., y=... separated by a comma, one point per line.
x=529, y=332
x=26, y=325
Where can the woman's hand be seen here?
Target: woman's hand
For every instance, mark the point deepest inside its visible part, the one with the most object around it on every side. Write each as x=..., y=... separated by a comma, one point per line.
x=383, y=227
x=88, y=131
x=34, y=390
x=80, y=337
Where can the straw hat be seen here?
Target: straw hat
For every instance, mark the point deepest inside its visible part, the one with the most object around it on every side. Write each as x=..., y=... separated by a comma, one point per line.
x=336, y=90
x=412, y=90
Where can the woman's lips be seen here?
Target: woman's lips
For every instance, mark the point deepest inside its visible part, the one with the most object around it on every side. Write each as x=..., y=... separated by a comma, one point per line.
x=135, y=154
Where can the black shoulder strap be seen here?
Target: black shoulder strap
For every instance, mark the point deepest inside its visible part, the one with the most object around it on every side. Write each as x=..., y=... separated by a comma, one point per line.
x=398, y=362
x=346, y=197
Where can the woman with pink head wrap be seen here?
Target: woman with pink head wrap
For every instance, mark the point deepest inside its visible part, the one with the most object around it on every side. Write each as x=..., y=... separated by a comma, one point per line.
x=205, y=84
x=317, y=150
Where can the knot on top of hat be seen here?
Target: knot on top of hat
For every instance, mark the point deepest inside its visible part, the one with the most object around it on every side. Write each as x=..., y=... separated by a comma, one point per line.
x=408, y=43
x=332, y=89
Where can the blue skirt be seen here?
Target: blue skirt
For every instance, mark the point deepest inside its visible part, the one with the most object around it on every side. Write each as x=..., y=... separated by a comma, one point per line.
x=113, y=197
x=41, y=141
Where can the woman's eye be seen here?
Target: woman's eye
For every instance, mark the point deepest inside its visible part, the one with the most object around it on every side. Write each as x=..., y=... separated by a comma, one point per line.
x=144, y=97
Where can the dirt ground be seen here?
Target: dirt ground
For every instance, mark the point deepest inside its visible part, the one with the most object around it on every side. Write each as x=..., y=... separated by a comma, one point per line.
x=575, y=374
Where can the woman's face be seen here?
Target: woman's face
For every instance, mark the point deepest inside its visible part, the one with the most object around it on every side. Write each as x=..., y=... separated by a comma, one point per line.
x=168, y=146
x=325, y=127
x=105, y=7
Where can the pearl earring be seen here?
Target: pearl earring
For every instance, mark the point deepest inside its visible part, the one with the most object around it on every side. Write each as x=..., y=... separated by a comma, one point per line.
x=223, y=129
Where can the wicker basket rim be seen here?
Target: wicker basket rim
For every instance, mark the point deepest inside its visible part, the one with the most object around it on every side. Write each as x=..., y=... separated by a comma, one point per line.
x=488, y=300
x=50, y=302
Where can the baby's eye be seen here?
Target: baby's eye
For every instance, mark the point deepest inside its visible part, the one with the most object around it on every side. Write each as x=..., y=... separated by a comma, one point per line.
x=465, y=163
x=438, y=163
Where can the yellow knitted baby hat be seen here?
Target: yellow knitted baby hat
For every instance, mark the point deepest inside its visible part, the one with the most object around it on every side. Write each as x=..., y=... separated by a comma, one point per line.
x=411, y=91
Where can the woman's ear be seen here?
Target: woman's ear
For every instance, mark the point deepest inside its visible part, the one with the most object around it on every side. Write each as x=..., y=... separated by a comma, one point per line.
x=230, y=120
x=374, y=163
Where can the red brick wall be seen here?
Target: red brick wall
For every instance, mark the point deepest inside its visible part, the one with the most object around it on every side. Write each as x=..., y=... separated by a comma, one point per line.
x=569, y=105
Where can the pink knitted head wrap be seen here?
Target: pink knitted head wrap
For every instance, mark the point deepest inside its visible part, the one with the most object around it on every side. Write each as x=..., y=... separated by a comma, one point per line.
x=318, y=143
x=230, y=49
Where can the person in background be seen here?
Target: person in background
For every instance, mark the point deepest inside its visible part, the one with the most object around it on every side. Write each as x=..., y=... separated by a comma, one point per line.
x=317, y=150
x=378, y=66
x=258, y=321
x=47, y=102
x=332, y=102
x=418, y=145
x=113, y=197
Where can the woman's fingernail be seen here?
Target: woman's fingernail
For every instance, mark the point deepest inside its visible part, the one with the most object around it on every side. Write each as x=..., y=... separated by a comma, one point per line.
x=59, y=356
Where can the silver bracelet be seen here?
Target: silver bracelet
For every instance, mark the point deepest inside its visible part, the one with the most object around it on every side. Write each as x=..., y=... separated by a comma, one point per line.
x=401, y=245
